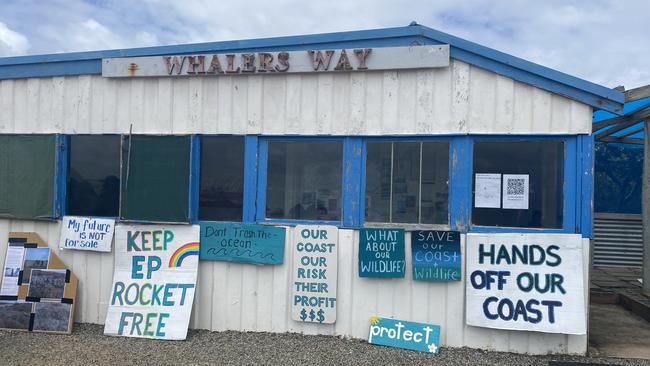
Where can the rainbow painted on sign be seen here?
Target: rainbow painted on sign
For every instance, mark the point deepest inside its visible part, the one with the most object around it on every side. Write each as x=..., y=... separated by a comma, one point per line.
x=183, y=252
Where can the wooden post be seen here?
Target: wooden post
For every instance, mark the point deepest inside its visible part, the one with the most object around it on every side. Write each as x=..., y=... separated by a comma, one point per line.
x=645, y=208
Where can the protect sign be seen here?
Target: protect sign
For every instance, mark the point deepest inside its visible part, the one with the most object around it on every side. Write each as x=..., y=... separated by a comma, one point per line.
x=314, y=277
x=154, y=281
x=402, y=334
x=528, y=282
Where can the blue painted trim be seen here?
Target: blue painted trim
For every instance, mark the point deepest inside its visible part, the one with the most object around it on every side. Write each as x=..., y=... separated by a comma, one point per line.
x=498, y=229
x=587, y=185
x=472, y=53
x=250, y=178
x=288, y=222
x=571, y=196
x=61, y=156
x=195, y=177
x=353, y=177
x=262, y=165
x=460, y=182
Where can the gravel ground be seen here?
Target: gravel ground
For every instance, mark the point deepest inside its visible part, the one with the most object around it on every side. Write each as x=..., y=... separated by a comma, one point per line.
x=88, y=346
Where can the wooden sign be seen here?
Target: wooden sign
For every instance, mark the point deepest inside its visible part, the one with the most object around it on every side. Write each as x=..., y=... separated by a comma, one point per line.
x=381, y=253
x=436, y=255
x=403, y=334
x=315, y=257
x=258, y=244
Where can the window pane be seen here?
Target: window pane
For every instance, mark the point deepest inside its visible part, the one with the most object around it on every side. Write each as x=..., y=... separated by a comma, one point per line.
x=155, y=178
x=435, y=187
x=222, y=178
x=304, y=180
x=27, y=176
x=406, y=181
x=543, y=161
x=401, y=189
x=94, y=176
x=378, y=173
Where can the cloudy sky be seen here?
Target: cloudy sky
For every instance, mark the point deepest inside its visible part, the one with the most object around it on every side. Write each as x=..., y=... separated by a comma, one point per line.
x=604, y=41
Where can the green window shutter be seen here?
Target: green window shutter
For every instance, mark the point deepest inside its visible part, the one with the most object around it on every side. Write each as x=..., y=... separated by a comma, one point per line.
x=155, y=178
x=27, y=176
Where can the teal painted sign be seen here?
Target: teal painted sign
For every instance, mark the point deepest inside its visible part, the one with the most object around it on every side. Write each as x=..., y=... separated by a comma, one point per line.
x=381, y=253
x=436, y=255
x=402, y=334
x=257, y=244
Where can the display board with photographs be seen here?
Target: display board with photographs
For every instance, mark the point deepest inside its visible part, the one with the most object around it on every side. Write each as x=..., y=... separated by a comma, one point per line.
x=38, y=292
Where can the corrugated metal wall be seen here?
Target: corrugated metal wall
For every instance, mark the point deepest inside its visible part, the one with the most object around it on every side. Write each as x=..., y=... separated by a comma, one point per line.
x=232, y=296
x=458, y=99
x=618, y=240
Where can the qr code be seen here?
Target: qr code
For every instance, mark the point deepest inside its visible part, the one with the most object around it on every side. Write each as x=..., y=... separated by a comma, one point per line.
x=515, y=186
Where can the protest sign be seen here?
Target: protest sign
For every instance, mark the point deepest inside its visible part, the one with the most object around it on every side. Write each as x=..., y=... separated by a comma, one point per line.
x=315, y=266
x=257, y=244
x=526, y=282
x=436, y=255
x=381, y=253
x=154, y=281
x=402, y=334
x=86, y=233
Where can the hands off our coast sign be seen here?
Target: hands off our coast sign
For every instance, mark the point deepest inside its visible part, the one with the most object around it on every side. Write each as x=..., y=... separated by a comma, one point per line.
x=526, y=282
x=257, y=244
x=154, y=281
x=381, y=253
x=338, y=60
x=86, y=233
x=436, y=255
x=402, y=334
x=315, y=256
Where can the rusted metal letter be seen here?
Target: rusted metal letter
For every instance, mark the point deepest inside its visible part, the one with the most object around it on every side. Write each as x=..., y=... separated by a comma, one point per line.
x=230, y=59
x=248, y=62
x=196, y=64
x=344, y=62
x=283, y=62
x=318, y=60
x=362, y=55
x=174, y=63
x=215, y=66
x=266, y=62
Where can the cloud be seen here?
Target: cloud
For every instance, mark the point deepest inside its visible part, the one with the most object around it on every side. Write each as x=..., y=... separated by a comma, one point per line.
x=11, y=42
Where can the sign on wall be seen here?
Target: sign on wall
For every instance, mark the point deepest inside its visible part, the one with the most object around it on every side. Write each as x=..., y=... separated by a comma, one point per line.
x=526, y=282
x=314, y=277
x=436, y=255
x=259, y=244
x=402, y=334
x=154, y=281
x=381, y=253
x=266, y=63
x=86, y=233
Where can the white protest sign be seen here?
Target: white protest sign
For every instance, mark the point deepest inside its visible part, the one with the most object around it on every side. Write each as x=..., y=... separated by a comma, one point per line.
x=154, y=281
x=528, y=282
x=487, y=190
x=314, y=278
x=86, y=233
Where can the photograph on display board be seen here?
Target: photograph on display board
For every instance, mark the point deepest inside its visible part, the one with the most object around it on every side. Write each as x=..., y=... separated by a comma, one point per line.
x=15, y=314
x=47, y=283
x=35, y=258
x=51, y=316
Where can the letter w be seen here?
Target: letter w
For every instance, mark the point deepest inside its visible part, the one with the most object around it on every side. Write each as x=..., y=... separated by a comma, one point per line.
x=318, y=60
x=174, y=63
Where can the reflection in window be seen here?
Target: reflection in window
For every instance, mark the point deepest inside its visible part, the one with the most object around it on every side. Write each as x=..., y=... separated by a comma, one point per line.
x=543, y=162
x=94, y=175
x=222, y=178
x=304, y=180
x=406, y=182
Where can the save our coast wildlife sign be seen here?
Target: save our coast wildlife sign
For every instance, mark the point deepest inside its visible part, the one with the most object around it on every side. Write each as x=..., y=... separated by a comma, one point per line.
x=528, y=282
x=154, y=281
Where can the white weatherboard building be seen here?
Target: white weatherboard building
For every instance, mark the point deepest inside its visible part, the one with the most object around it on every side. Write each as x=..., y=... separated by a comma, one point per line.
x=402, y=127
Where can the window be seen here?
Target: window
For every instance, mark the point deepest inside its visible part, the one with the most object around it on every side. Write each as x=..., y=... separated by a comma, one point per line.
x=27, y=166
x=406, y=182
x=155, y=178
x=304, y=180
x=222, y=178
x=543, y=162
x=93, y=187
